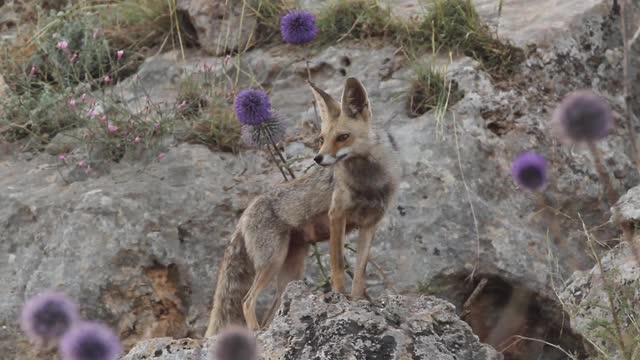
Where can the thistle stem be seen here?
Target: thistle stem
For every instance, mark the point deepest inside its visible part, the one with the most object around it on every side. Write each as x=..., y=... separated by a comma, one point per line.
x=554, y=229
x=626, y=82
x=609, y=290
x=284, y=162
x=277, y=164
x=612, y=195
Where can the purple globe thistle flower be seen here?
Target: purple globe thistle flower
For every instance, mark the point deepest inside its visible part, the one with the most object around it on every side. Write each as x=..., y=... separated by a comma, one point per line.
x=263, y=134
x=90, y=341
x=298, y=27
x=235, y=343
x=48, y=315
x=253, y=107
x=529, y=171
x=582, y=116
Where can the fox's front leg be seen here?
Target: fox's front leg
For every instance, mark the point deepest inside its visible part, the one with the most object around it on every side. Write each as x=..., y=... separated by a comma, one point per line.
x=337, y=224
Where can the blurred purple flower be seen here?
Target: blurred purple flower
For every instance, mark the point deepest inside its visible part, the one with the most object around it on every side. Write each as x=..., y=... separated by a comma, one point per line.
x=235, y=343
x=74, y=58
x=182, y=105
x=582, y=116
x=253, y=107
x=161, y=156
x=72, y=103
x=81, y=164
x=529, y=171
x=137, y=140
x=112, y=128
x=119, y=54
x=107, y=79
x=48, y=315
x=90, y=341
x=34, y=71
x=62, y=45
x=298, y=27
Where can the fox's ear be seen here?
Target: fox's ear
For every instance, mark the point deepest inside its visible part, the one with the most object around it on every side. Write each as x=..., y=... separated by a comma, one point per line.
x=329, y=108
x=355, y=101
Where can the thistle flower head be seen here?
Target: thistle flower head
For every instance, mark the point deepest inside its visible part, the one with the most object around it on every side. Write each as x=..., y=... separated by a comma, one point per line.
x=269, y=131
x=298, y=27
x=90, y=341
x=235, y=343
x=253, y=107
x=48, y=315
x=529, y=171
x=582, y=116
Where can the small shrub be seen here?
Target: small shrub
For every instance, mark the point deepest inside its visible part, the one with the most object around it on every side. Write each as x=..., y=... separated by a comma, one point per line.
x=430, y=89
x=455, y=24
x=218, y=128
x=141, y=24
x=40, y=114
x=354, y=19
x=268, y=14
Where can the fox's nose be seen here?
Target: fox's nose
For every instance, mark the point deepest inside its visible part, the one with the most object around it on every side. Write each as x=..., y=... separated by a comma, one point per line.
x=318, y=159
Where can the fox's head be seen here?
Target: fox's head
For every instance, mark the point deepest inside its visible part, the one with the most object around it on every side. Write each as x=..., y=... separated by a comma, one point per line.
x=345, y=126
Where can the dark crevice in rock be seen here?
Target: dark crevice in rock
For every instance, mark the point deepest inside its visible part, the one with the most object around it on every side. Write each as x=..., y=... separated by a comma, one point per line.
x=505, y=309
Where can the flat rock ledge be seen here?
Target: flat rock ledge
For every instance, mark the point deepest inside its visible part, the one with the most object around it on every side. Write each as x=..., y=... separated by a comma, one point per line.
x=311, y=325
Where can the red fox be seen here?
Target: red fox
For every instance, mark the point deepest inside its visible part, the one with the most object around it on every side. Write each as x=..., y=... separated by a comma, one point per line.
x=352, y=189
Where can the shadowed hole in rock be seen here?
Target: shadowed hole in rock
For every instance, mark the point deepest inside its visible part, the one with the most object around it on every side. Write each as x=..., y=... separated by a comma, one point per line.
x=503, y=314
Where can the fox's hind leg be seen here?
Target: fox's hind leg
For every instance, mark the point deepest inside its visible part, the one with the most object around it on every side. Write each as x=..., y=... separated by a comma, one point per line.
x=265, y=272
x=293, y=269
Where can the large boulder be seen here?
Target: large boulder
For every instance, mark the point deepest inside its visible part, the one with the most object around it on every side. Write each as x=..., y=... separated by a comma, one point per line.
x=137, y=247
x=221, y=25
x=587, y=301
x=310, y=325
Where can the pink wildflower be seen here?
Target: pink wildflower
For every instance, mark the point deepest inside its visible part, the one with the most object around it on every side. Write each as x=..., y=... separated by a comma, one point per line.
x=72, y=103
x=137, y=140
x=89, y=170
x=74, y=58
x=161, y=156
x=62, y=45
x=81, y=164
x=183, y=105
x=112, y=128
x=107, y=79
x=34, y=71
x=119, y=54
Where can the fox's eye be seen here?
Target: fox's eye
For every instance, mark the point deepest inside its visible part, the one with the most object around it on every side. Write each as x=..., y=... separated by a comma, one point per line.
x=320, y=140
x=342, y=137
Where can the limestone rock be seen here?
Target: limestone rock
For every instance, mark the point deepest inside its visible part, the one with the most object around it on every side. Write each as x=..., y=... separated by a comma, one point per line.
x=309, y=325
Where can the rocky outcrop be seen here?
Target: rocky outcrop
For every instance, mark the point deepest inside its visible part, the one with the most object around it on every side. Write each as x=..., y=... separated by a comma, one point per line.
x=138, y=244
x=586, y=299
x=310, y=325
x=137, y=247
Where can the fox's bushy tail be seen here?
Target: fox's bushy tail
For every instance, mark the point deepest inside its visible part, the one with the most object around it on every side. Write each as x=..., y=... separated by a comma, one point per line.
x=235, y=277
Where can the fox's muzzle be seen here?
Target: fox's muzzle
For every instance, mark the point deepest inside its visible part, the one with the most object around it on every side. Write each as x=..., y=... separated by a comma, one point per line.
x=324, y=160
